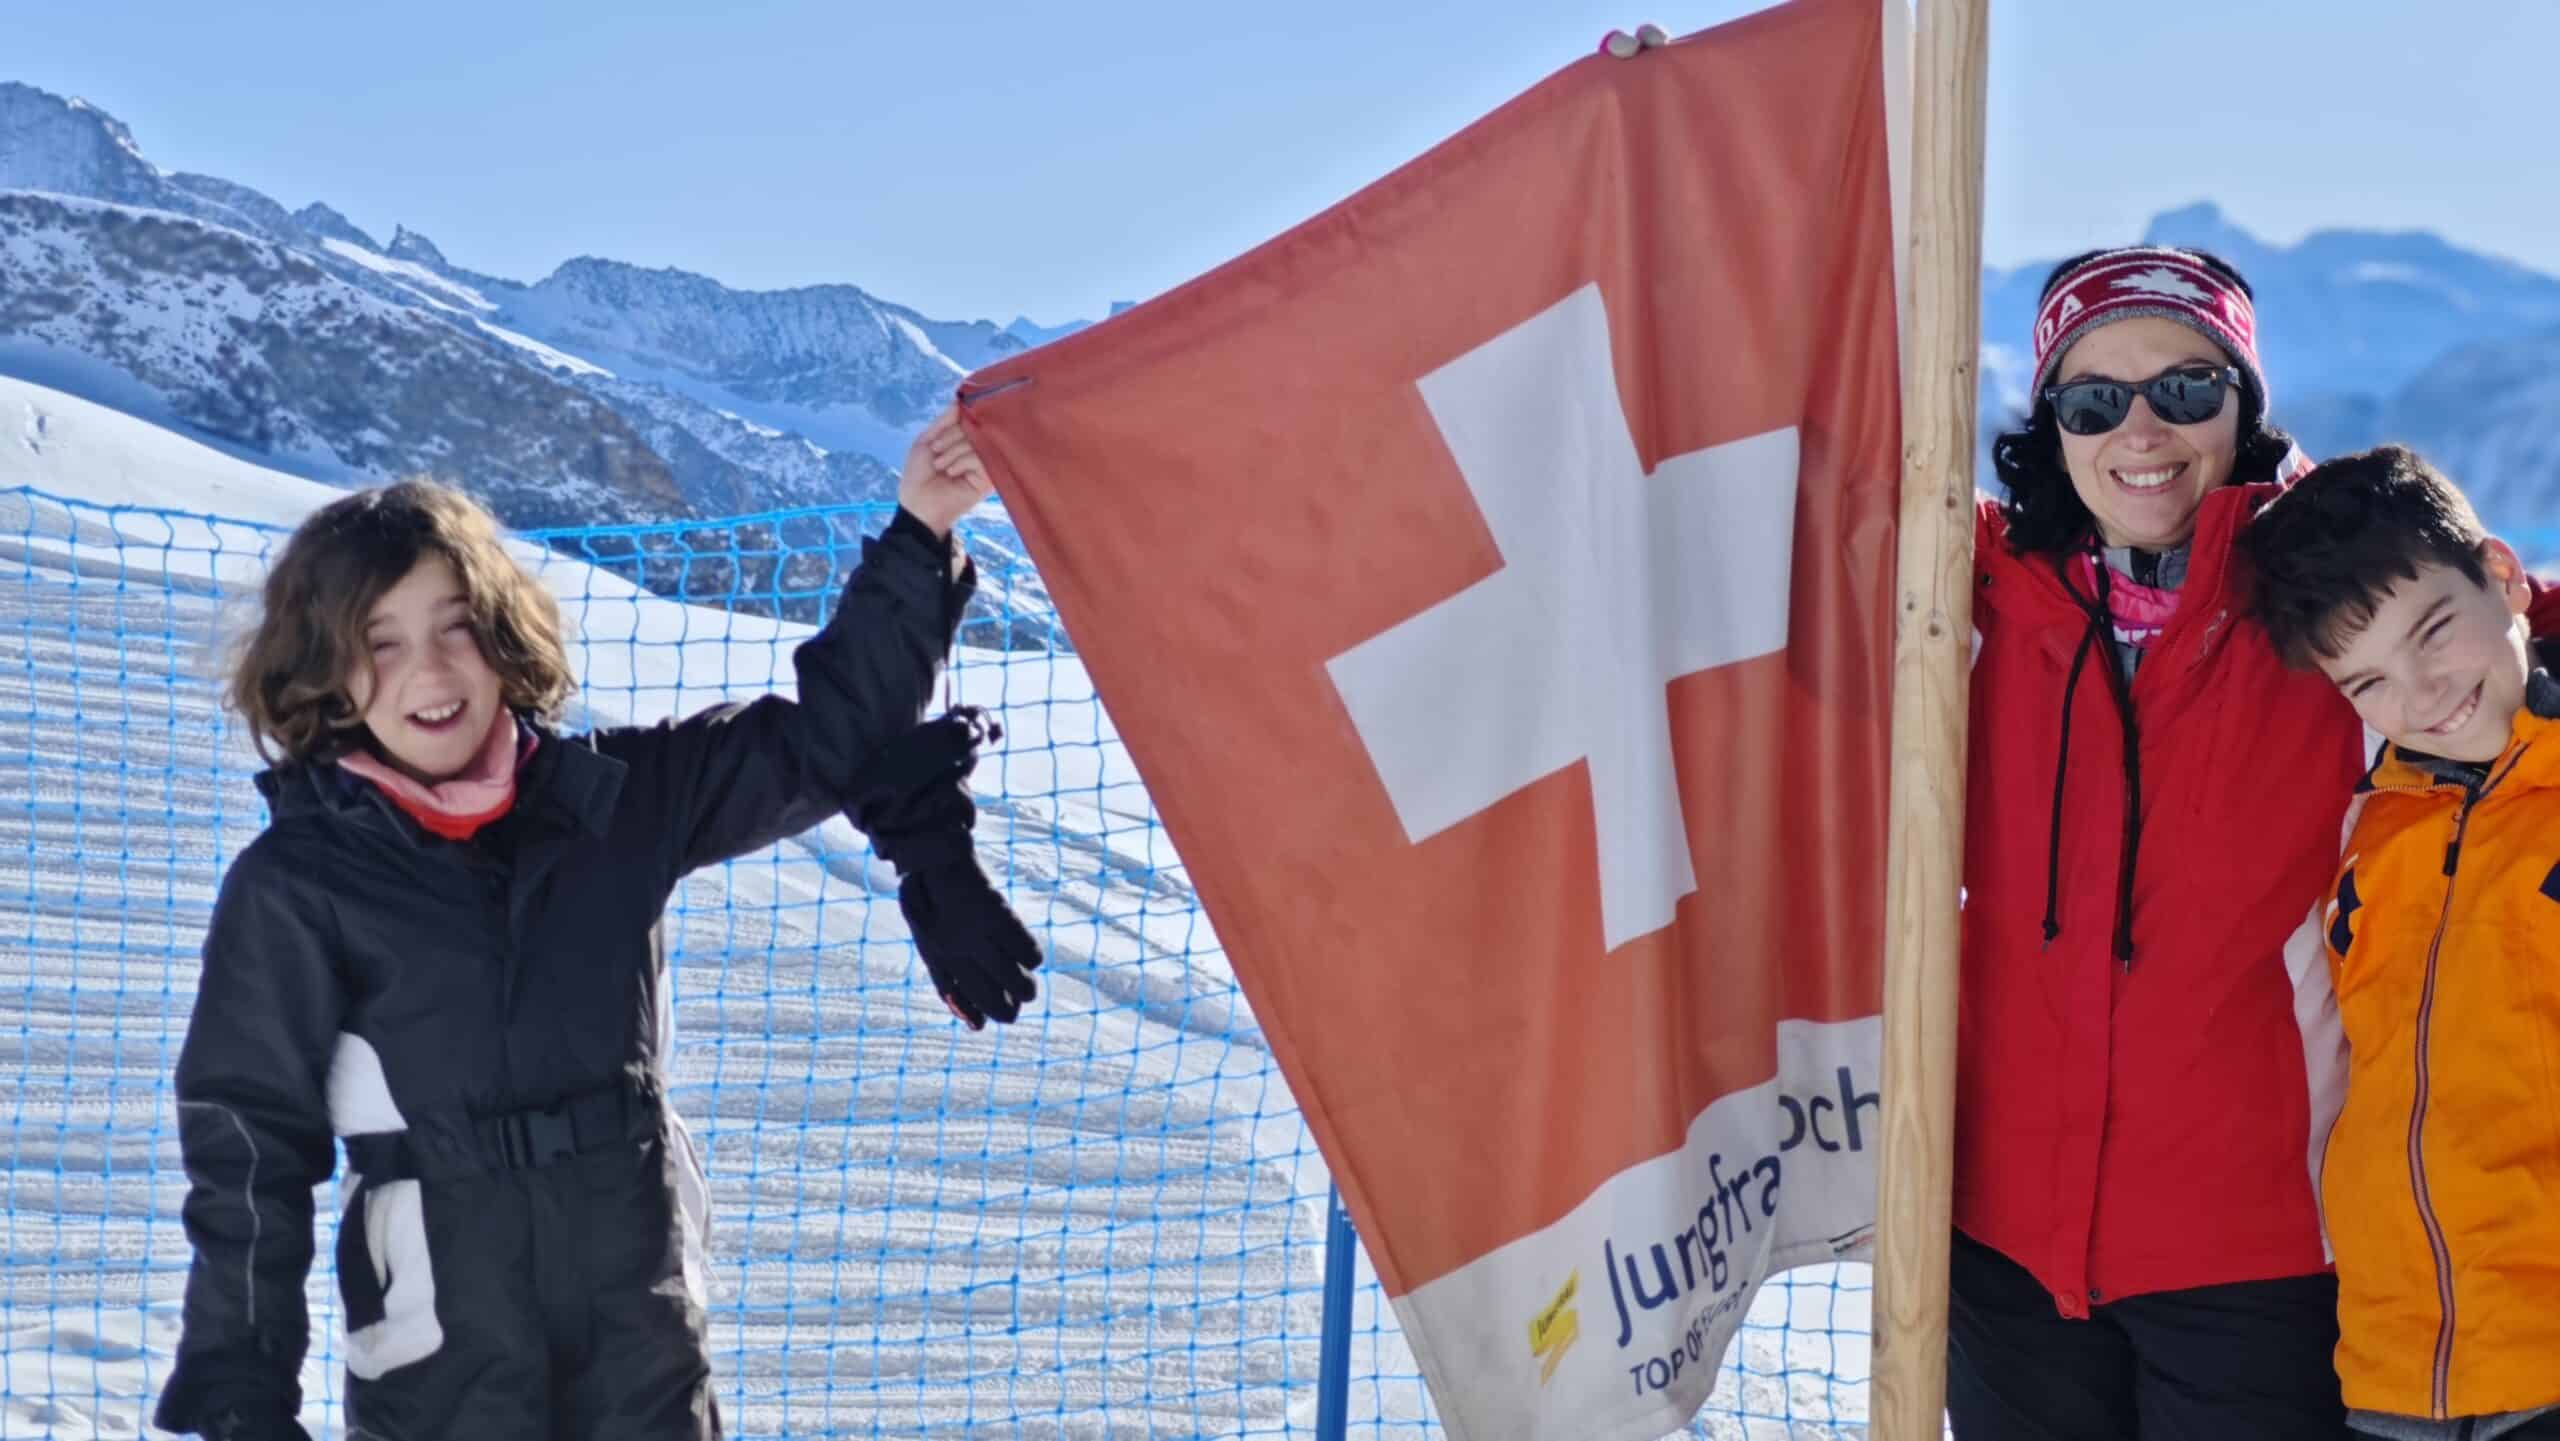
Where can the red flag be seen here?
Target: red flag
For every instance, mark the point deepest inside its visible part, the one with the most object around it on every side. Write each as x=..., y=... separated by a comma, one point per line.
x=1491, y=580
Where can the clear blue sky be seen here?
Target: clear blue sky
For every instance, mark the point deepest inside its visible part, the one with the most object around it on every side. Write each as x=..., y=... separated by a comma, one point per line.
x=1006, y=157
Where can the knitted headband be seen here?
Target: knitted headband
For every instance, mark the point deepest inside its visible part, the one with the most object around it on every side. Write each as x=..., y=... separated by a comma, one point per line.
x=2148, y=280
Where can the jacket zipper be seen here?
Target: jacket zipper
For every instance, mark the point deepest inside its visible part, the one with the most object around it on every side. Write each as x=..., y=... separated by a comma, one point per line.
x=2472, y=796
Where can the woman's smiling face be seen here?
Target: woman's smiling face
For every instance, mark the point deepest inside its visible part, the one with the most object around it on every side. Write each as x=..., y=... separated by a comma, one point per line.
x=2144, y=480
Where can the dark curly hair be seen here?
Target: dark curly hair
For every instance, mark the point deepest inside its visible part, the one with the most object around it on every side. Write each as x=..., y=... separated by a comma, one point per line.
x=292, y=676
x=2045, y=514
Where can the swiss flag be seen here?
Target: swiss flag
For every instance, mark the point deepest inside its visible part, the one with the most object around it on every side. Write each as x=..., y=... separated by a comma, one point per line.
x=1491, y=580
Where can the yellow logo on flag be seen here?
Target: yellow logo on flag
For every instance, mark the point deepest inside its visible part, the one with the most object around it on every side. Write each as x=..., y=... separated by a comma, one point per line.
x=1553, y=1331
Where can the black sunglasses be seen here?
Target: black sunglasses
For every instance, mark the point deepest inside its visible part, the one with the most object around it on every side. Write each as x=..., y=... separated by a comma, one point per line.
x=2186, y=395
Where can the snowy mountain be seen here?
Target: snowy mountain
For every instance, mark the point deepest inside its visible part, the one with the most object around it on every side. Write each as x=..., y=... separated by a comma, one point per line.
x=2368, y=336
x=1032, y=332
x=830, y=362
x=2489, y=414
x=729, y=465
x=70, y=147
x=73, y=148
x=256, y=345
x=848, y=370
x=603, y=394
x=2364, y=312
x=2354, y=312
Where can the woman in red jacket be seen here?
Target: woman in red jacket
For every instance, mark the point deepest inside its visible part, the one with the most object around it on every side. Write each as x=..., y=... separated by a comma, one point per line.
x=2153, y=808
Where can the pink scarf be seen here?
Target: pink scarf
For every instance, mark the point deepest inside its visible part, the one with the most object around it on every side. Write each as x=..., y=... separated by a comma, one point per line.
x=2139, y=612
x=457, y=808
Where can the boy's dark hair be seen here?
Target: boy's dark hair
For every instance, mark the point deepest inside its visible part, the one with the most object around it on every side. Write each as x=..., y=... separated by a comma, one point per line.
x=290, y=676
x=2326, y=551
x=2044, y=513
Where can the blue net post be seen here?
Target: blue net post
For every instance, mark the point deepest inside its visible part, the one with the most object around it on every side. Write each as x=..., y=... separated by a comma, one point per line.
x=1333, y=1361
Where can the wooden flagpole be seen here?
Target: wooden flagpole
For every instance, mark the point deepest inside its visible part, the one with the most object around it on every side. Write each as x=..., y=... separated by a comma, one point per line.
x=1933, y=597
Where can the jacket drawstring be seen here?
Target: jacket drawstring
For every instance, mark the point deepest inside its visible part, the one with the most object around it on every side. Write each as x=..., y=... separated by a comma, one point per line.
x=2061, y=772
x=2120, y=686
x=2120, y=692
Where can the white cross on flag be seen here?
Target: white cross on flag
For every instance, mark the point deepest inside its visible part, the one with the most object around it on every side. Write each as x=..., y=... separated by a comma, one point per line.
x=1613, y=584
x=1491, y=580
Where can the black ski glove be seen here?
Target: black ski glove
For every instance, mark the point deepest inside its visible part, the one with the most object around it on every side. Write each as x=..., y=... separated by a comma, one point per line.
x=911, y=802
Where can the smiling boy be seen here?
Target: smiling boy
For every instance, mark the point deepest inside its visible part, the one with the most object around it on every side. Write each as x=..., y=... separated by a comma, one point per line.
x=2441, y=1183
